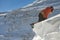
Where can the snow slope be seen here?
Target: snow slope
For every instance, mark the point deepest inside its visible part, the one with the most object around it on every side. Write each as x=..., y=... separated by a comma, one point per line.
x=15, y=25
x=48, y=28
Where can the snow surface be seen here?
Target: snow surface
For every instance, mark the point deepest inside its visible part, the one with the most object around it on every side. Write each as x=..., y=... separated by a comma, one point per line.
x=15, y=25
x=48, y=29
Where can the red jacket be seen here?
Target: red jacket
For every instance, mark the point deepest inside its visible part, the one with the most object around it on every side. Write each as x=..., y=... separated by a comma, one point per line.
x=46, y=12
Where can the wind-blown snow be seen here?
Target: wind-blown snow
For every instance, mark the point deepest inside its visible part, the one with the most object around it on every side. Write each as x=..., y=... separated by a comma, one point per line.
x=15, y=25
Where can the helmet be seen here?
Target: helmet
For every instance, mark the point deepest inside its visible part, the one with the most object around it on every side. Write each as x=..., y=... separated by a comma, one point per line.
x=51, y=8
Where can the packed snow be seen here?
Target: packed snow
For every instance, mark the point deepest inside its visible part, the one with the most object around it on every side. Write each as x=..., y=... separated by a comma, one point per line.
x=15, y=25
x=48, y=28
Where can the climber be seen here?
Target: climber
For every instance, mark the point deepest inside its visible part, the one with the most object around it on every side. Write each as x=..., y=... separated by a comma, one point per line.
x=44, y=14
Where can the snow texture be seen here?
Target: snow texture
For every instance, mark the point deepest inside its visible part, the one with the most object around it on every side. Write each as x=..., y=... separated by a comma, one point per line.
x=48, y=29
x=15, y=25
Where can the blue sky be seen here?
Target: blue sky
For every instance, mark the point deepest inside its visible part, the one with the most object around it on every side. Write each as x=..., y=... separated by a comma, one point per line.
x=6, y=5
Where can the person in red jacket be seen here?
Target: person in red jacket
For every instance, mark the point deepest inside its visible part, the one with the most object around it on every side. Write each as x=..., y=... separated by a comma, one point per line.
x=44, y=14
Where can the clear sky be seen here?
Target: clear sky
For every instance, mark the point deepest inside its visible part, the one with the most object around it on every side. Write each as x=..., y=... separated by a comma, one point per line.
x=6, y=5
